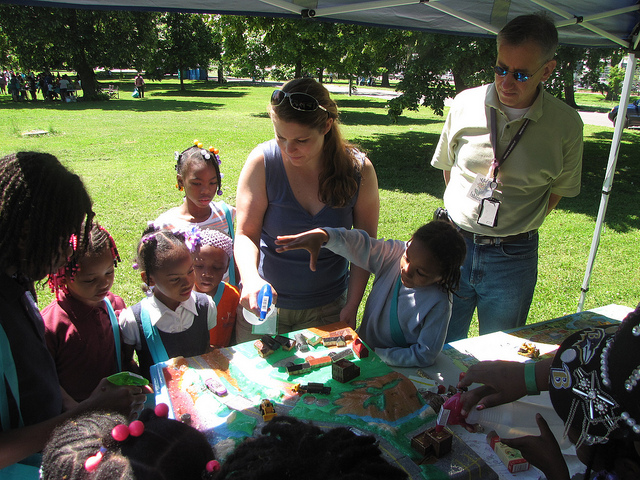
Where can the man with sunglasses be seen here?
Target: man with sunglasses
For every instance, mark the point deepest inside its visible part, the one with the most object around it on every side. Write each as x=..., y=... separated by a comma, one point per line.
x=509, y=151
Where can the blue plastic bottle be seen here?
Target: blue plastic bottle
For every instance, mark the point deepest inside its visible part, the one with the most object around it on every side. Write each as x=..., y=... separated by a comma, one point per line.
x=265, y=297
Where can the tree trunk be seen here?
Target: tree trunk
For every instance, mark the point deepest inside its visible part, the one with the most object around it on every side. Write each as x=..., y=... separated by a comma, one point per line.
x=181, y=72
x=569, y=93
x=298, y=69
x=320, y=74
x=220, y=73
x=87, y=78
x=385, y=80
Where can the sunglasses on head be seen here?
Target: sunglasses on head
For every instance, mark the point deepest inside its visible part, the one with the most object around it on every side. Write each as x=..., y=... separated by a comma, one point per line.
x=519, y=76
x=298, y=100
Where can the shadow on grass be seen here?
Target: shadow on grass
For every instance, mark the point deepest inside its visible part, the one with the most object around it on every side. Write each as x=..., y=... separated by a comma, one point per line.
x=360, y=103
x=139, y=105
x=402, y=162
x=622, y=209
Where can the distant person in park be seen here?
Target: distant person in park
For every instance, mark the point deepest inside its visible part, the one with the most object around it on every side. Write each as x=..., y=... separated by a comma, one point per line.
x=306, y=177
x=64, y=87
x=42, y=206
x=407, y=312
x=139, y=83
x=81, y=323
x=198, y=176
x=509, y=152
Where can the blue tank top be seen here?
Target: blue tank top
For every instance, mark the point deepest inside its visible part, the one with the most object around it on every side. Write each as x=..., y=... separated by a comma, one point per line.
x=297, y=286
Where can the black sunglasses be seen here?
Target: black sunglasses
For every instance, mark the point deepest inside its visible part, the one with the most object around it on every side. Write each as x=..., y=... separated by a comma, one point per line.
x=519, y=76
x=298, y=100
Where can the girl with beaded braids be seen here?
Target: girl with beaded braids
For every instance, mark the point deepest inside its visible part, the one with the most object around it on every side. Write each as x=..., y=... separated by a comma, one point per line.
x=42, y=205
x=308, y=176
x=81, y=324
x=100, y=445
x=172, y=320
x=198, y=175
x=407, y=313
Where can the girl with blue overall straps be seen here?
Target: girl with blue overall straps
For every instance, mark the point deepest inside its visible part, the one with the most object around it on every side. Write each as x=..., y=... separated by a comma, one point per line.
x=42, y=205
x=81, y=324
x=198, y=175
x=172, y=320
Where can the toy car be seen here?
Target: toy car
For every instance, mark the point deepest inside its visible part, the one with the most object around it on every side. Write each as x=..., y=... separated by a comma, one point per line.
x=267, y=410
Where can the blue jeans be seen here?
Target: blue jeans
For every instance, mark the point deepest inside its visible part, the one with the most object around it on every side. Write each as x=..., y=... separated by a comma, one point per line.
x=499, y=280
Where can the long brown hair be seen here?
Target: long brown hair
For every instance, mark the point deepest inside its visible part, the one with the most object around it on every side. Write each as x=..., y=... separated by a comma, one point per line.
x=338, y=179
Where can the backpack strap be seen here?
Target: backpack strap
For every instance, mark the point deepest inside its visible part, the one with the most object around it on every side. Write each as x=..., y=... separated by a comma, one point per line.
x=8, y=376
x=152, y=336
x=116, y=331
x=232, y=263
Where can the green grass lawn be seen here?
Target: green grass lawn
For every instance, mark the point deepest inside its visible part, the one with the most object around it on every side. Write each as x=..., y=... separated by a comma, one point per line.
x=123, y=149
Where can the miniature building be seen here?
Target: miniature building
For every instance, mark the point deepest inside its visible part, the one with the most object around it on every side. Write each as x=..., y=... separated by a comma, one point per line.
x=344, y=371
x=434, y=443
x=315, y=340
x=344, y=333
x=263, y=350
x=312, y=387
x=298, y=369
x=334, y=341
x=270, y=342
x=336, y=356
x=359, y=349
x=317, y=362
x=301, y=343
x=286, y=343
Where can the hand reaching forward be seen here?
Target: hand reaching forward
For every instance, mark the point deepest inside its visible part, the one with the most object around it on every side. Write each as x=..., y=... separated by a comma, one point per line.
x=542, y=452
x=310, y=241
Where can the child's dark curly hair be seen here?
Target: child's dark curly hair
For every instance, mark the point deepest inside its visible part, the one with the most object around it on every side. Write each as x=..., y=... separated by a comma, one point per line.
x=155, y=246
x=447, y=245
x=167, y=450
x=41, y=205
x=99, y=240
x=290, y=448
x=196, y=153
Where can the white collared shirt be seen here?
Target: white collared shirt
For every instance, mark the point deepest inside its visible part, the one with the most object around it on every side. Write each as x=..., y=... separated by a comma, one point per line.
x=163, y=318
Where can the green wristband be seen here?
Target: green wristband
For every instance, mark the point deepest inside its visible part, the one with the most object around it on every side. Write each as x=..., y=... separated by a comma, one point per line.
x=530, y=378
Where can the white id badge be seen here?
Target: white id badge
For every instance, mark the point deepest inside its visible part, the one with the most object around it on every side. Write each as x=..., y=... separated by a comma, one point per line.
x=481, y=188
x=489, y=212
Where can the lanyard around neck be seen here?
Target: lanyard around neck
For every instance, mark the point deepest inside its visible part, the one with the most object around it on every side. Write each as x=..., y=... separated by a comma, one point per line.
x=394, y=323
x=496, y=164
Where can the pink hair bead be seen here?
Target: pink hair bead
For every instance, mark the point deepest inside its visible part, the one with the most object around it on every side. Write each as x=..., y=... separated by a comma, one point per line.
x=136, y=428
x=120, y=432
x=162, y=410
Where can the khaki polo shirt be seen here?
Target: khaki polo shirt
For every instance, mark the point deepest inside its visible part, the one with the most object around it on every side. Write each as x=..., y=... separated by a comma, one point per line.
x=547, y=159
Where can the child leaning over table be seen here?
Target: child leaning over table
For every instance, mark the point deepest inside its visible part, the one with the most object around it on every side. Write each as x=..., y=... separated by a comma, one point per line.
x=81, y=326
x=407, y=312
x=172, y=320
x=212, y=251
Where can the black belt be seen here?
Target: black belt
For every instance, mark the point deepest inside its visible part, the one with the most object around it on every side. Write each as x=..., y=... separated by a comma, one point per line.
x=487, y=240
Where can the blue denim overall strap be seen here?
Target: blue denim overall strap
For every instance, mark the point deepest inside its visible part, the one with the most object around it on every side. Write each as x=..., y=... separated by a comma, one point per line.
x=152, y=335
x=10, y=375
x=116, y=331
x=394, y=324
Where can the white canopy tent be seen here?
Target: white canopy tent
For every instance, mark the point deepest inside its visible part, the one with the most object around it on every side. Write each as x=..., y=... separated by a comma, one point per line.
x=588, y=23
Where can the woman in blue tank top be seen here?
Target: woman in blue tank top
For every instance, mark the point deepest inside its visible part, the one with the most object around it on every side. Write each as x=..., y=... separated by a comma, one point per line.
x=306, y=177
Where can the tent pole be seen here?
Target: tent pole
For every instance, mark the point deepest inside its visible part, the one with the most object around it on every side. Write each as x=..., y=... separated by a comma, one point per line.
x=608, y=179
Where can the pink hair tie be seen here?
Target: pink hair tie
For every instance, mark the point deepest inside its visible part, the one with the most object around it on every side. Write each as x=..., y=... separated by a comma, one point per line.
x=91, y=463
x=213, y=466
x=161, y=410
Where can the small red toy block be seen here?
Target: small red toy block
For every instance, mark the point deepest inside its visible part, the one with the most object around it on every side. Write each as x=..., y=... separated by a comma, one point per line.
x=344, y=371
x=359, y=349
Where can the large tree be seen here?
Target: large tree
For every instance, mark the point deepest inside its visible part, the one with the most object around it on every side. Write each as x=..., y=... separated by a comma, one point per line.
x=185, y=41
x=79, y=40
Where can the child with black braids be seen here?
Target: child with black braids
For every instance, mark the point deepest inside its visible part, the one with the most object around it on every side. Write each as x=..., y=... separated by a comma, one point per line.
x=198, y=174
x=173, y=320
x=407, y=312
x=211, y=256
x=165, y=449
x=290, y=448
x=81, y=324
x=42, y=205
